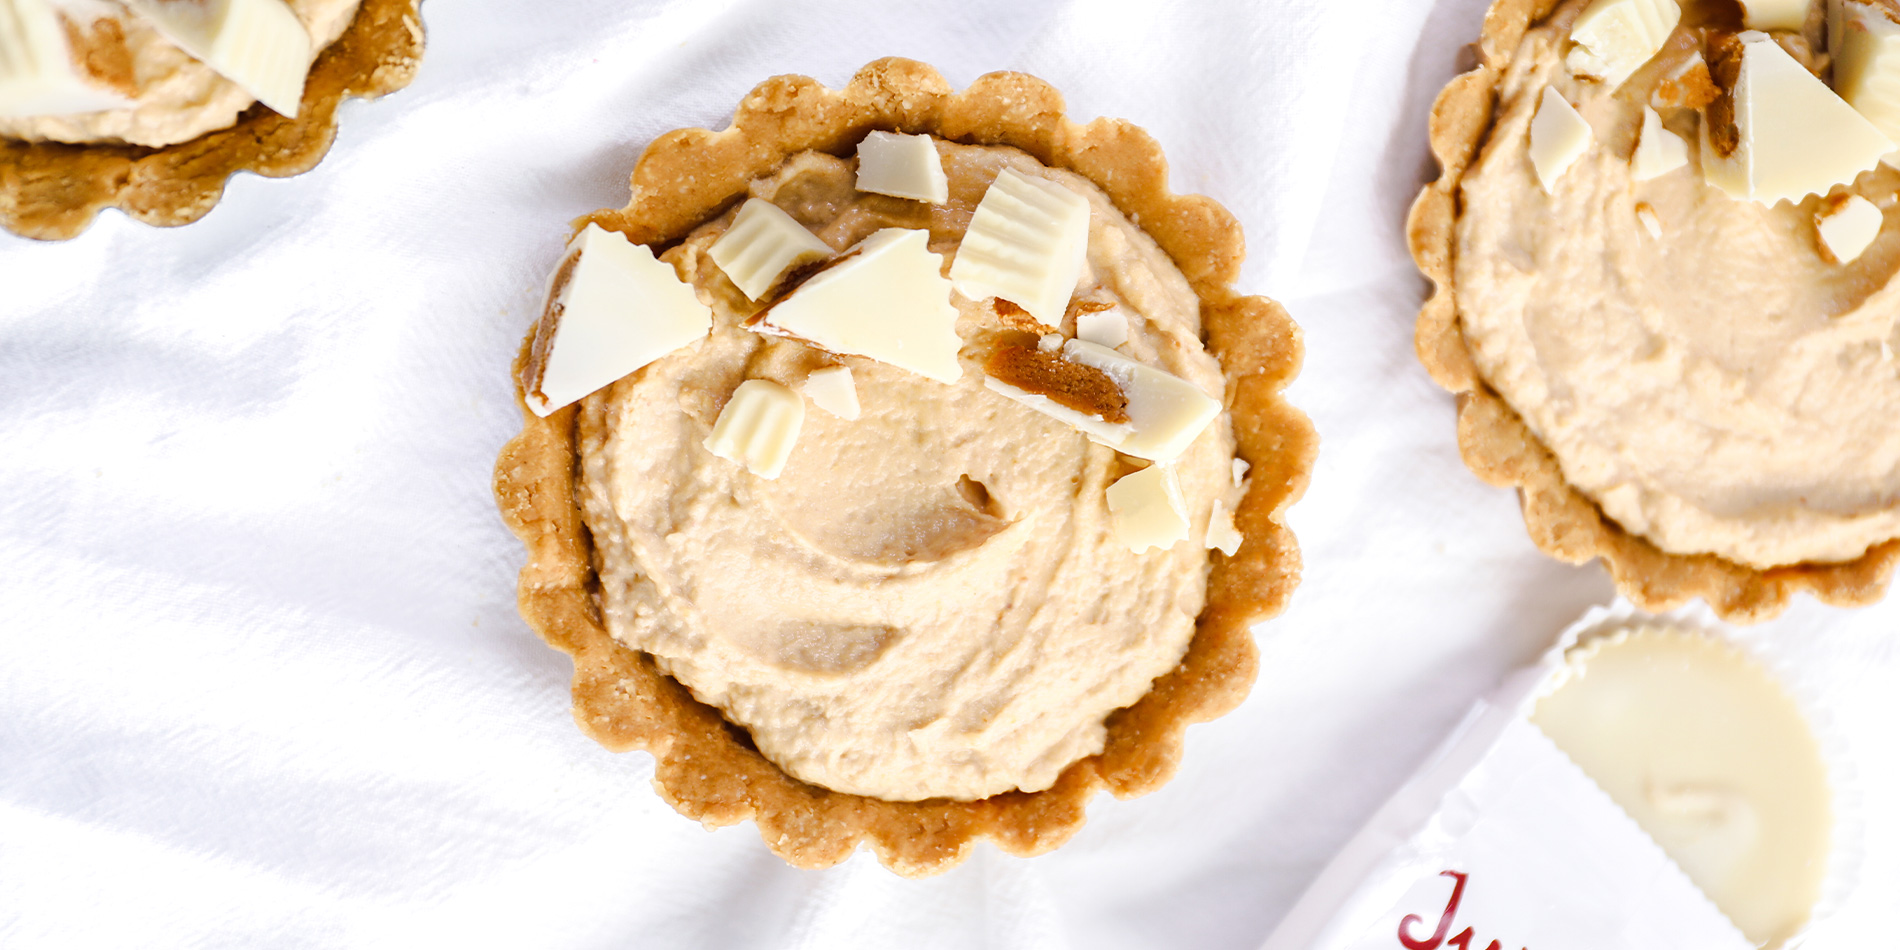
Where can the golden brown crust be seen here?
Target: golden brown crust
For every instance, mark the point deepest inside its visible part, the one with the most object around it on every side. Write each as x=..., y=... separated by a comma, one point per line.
x=1501, y=449
x=706, y=768
x=51, y=191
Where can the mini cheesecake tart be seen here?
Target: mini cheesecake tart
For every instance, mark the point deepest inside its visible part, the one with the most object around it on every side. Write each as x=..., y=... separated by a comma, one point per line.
x=932, y=494
x=151, y=105
x=1664, y=290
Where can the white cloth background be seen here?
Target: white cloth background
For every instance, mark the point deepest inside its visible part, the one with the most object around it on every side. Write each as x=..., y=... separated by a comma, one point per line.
x=262, y=682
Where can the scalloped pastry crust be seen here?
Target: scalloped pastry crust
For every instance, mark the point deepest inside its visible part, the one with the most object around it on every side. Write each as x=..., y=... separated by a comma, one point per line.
x=1502, y=450
x=707, y=768
x=51, y=191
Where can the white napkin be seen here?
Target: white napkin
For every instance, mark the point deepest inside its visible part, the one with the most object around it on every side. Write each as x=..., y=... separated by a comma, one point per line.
x=262, y=682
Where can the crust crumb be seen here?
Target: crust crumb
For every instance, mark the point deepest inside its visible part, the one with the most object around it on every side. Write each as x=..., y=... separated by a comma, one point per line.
x=1692, y=88
x=1725, y=69
x=102, y=53
x=1071, y=385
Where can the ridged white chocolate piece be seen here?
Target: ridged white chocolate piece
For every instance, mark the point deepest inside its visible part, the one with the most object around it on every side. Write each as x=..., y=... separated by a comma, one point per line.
x=759, y=427
x=1797, y=137
x=1559, y=136
x=1103, y=327
x=1774, y=14
x=1867, y=63
x=902, y=166
x=38, y=72
x=833, y=390
x=1614, y=38
x=1165, y=412
x=1222, y=536
x=1849, y=227
x=1148, y=509
x=1026, y=244
x=1659, y=151
x=761, y=245
x=258, y=44
x=887, y=300
x=620, y=309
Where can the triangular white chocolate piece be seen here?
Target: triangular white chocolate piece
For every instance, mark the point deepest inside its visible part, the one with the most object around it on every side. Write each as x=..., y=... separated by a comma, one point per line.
x=258, y=44
x=1849, y=227
x=1165, y=412
x=1659, y=151
x=1027, y=244
x=833, y=390
x=1796, y=137
x=1559, y=136
x=886, y=299
x=618, y=309
x=1867, y=63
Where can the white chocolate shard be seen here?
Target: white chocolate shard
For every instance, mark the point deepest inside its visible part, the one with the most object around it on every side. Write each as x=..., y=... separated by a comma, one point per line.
x=833, y=390
x=761, y=245
x=258, y=44
x=1646, y=216
x=1148, y=509
x=1849, y=227
x=1867, y=63
x=1241, y=468
x=1559, y=136
x=618, y=309
x=885, y=299
x=1614, y=38
x=39, y=73
x=1027, y=244
x=1795, y=137
x=1774, y=14
x=1222, y=536
x=1103, y=327
x=1165, y=412
x=1659, y=151
x=1096, y=428
x=902, y=166
x=758, y=427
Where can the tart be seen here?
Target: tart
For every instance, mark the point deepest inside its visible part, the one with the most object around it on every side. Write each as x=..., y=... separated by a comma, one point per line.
x=947, y=613
x=155, y=131
x=1648, y=332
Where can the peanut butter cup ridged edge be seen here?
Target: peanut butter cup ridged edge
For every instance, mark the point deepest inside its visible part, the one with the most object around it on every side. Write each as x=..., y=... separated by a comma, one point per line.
x=1501, y=449
x=51, y=191
x=708, y=769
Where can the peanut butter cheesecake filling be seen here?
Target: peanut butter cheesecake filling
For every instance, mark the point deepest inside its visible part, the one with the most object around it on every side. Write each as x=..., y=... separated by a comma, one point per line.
x=933, y=593
x=1716, y=373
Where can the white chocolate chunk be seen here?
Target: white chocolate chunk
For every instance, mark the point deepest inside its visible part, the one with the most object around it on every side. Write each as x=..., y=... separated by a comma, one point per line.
x=1659, y=151
x=39, y=74
x=1616, y=37
x=1165, y=412
x=1096, y=428
x=619, y=310
x=1241, y=468
x=761, y=245
x=1103, y=327
x=758, y=427
x=1222, y=536
x=1027, y=244
x=1849, y=227
x=258, y=44
x=833, y=390
x=887, y=300
x=1148, y=509
x=1867, y=63
x=1774, y=14
x=1646, y=216
x=1559, y=136
x=902, y=166
x=1797, y=137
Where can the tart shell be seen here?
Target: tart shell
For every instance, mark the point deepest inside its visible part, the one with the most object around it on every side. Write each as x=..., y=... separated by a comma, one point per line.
x=707, y=768
x=52, y=190
x=1501, y=449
